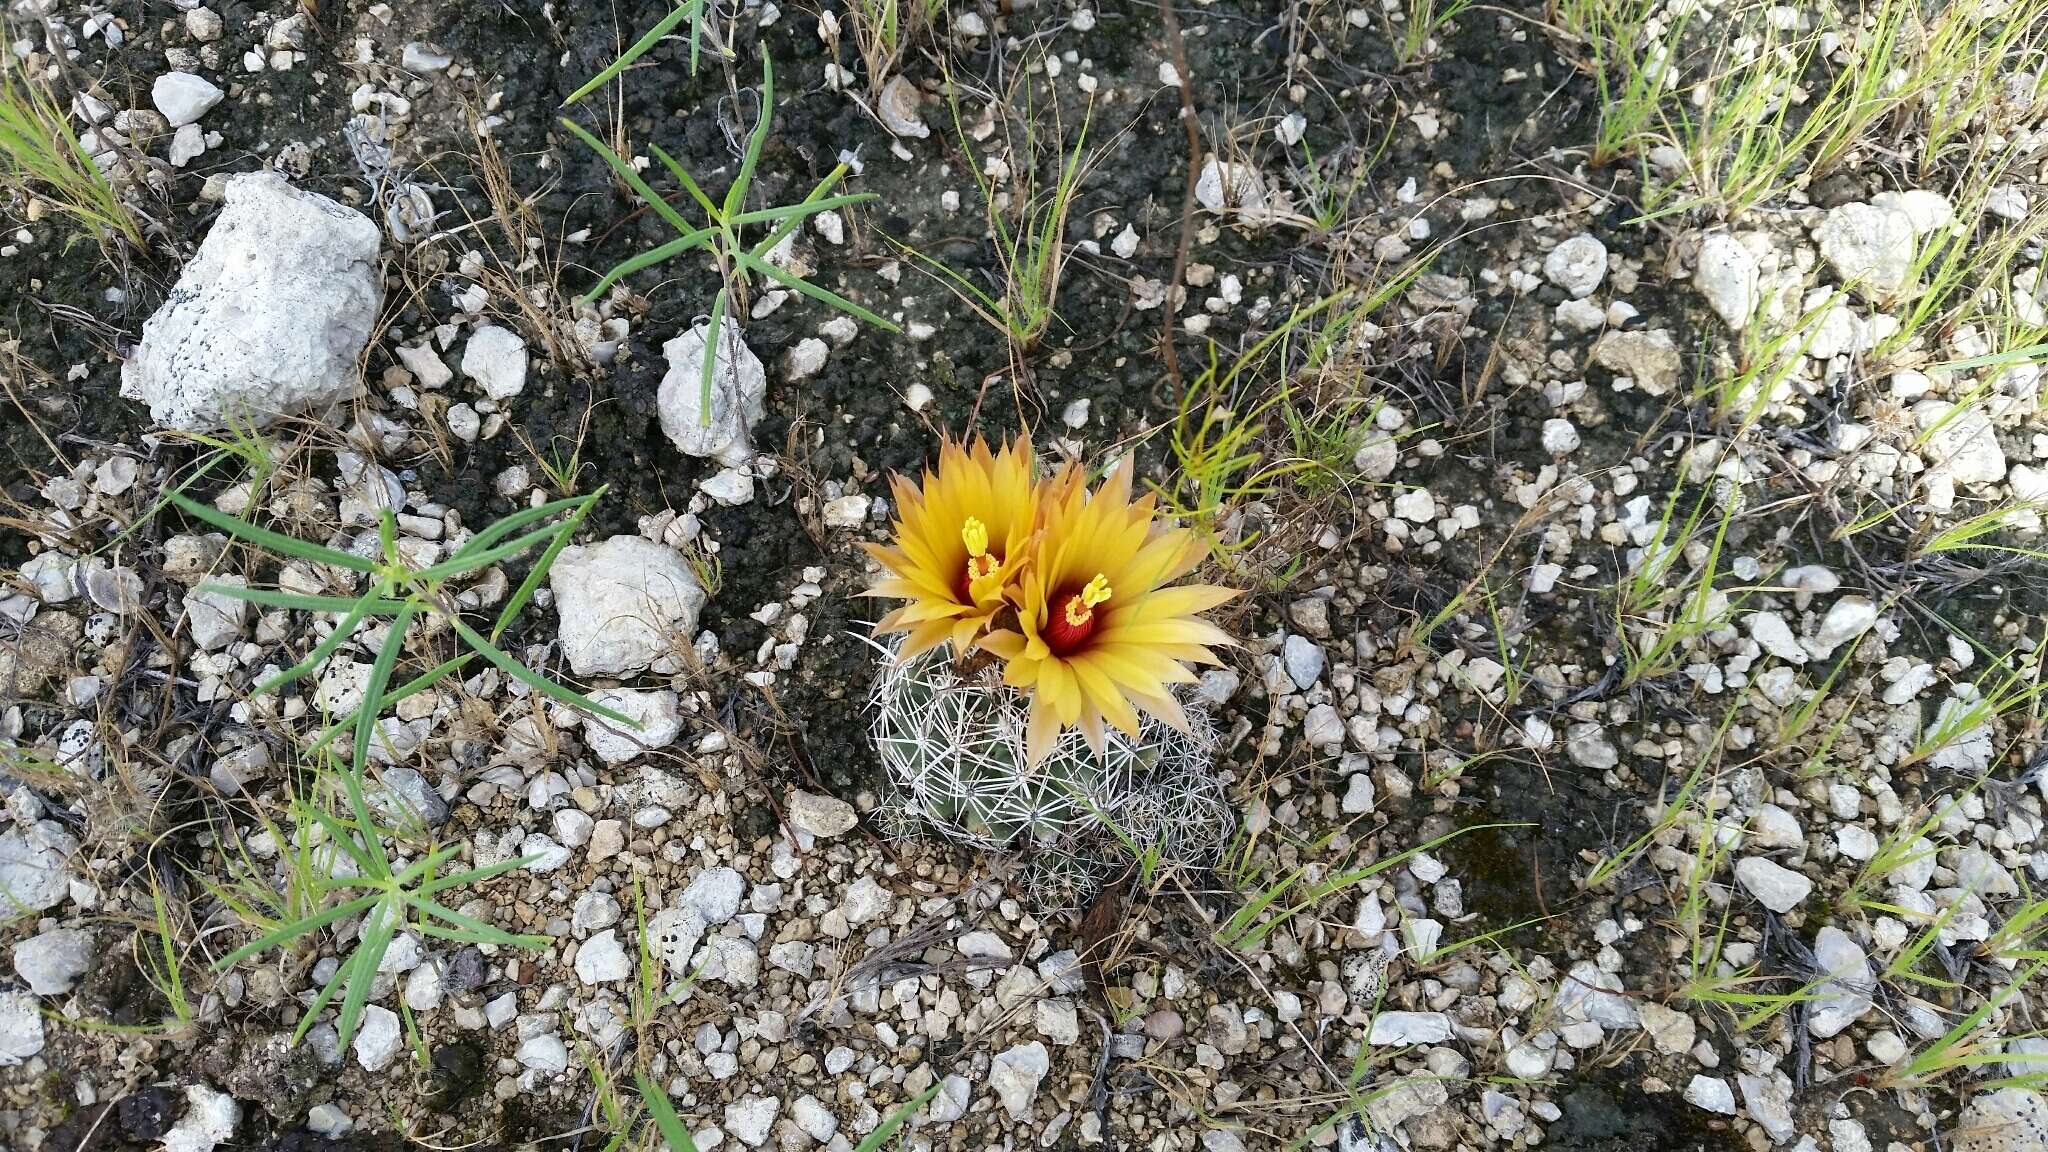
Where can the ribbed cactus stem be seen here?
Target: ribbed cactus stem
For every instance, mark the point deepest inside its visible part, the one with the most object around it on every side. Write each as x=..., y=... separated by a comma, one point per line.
x=952, y=741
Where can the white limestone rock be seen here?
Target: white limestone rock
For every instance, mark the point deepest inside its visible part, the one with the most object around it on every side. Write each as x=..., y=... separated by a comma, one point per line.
x=544, y=1054
x=1778, y=887
x=1727, y=275
x=824, y=817
x=378, y=1038
x=51, y=962
x=898, y=110
x=1711, y=1093
x=602, y=959
x=1845, y=997
x=658, y=713
x=268, y=319
x=1961, y=443
x=33, y=874
x=2012, y=1119
x=215, y=619
x=183, y=97
x=210, y=1120
x=1015, y=1076
x=496, y=359
x=739, y=394
x=750, y=1120
x=1577, y=264
x=1405, y=1028
x=1870, y=247
x=21, y=1028
x=1649, y=358
x=626, y=605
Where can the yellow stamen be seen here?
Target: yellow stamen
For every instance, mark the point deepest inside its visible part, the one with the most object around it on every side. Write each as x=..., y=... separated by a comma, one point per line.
x=974, y=534
x=1097, y=591
x=1081, y=609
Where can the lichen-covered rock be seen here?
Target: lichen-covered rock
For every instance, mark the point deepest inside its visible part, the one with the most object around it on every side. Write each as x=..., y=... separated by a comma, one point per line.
x=2008, y=1120
x=268, y=319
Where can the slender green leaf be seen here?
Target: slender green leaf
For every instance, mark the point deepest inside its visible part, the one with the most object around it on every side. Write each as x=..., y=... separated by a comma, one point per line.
x=648, y=259
x=437, y=884
x=897, y=1119
x=366, y=726
x=691, y=10
x=714, y=335
x=368, y=955
x=517, y=601
x=326, y=996
x=265, y=538
x=803, y=209
x=534, y=680
x=682, y=175
x=480, y=932
x=632, y=178
x=736, y=196
x=292, y=931
x=500, y=529
x=666, y=1121
x=457, y=566
x=272, y=598
x=824, y=295
x=343, y=629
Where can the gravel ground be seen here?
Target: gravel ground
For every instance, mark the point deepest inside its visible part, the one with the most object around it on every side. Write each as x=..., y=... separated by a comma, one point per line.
x=1623, y=416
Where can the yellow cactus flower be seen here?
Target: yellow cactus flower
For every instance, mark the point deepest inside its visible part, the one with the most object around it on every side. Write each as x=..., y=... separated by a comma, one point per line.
x=960, y=540
x=1101, y=630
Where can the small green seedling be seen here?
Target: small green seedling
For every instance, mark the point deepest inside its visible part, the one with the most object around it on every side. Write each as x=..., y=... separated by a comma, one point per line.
x=724, y=222
x=389, y=901
x=402, y=593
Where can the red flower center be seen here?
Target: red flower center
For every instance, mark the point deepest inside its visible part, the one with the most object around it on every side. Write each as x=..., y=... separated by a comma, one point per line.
x=1074, y=618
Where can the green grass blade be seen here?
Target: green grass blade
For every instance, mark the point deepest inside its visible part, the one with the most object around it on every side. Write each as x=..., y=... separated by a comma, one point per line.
x=426, y=865
x=313, y=923
x=632, y=178
x=518, y=599
x=802, y=209
x=478, y=931
x=690, y=185
x=897, y=1119
x=517, y=520
x=326, y=996
x=736, y=196
x=648, y=259
x=534, y=680
x=824, y=295
x=714, y=335
x=266, y=539
x=663, y=1111
x=413, y=687
x=343, y=629
x=272, y=598
x=474, y=875
x=368, y=955
x=457, y=566
x=366, y=726
x=690, y=10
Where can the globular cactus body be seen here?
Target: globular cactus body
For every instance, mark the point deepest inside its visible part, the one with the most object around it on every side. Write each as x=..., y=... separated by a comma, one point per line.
x=953, y=744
